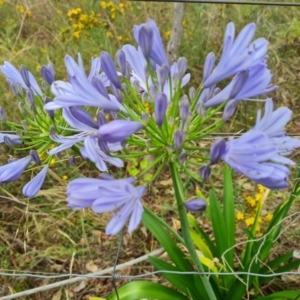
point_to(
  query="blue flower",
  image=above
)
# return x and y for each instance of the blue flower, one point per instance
(195, 205)
(254, 155)
(80, 89)
(273, 123)
(157, 54)
(35, 184)
(12, 171)
(238, 55)
(108, 195)
(14, 76)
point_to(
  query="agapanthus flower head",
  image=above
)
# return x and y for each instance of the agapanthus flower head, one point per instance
(106, 195)
(238, 54)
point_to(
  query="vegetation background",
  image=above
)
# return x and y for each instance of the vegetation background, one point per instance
(42, 234)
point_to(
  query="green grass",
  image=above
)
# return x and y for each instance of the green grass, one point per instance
(43, 234)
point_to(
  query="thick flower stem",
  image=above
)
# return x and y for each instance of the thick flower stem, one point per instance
(185, 229)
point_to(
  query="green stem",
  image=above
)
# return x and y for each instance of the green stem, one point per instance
(185, 229)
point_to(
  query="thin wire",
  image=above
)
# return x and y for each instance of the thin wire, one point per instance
(113, 276)
(271, 3)
(120, 276)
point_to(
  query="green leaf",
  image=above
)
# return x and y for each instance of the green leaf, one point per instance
(144, 289)
(165, 240)
(229, 215)
(218, 223)
(283, 295)
(184, 283)
(204, 236)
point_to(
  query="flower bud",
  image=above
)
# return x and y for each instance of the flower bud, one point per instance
(162, 74)
(2, 114)
(24, 125)
(192, 93)
(153, 90)
(195, 205)
(72, 161)
(99, 86)
(145, 38)
(182, 157)
(182, 66)
(17, 89)
(217, 150)
(160, 108)
(239, 81)
(178, 139)
(184, 109)
(201, 109)
(25, 75)
(101, 119)
(48, 73)
(145, 118)
(127, 70)
(205, 172)
(121, 59)
(229, 109)
(108, 66)
(35, 157)
(208, 65)
(30, 96)
(117, 93)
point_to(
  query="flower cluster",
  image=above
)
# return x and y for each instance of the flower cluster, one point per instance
(253, 209)
(137, 108)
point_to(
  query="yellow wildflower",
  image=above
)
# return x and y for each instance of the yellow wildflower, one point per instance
(184, 22)
(249, 221)
(251, 118)
(74, 13)
(52, 162)
(21, 8)
(251, 201)
(240, 215)
(1, 2)
(76, 34)
(65, 177)
(268, 217)
(109, 34)
(103, 4)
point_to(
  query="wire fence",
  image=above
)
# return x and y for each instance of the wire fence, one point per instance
(241, 2)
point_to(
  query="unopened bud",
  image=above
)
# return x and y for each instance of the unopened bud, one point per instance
(192, 93)
(2, 114)
(24, 125)
(17, 89)
(145, 118)
(25, 75)
(195, 205)
(182, 66)
(160, 108)
(35, 157)
(229, 110)
(72, 161)
(178, 139)
(205, 172)
(145, 38)
(182, 157)
(217, 150)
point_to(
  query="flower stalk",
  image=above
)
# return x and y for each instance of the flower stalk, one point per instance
(185, 229)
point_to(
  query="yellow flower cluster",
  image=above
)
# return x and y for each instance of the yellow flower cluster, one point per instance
(85, 21)
(113, 8)
(22, 10)
(82, 21)
(253, 206)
